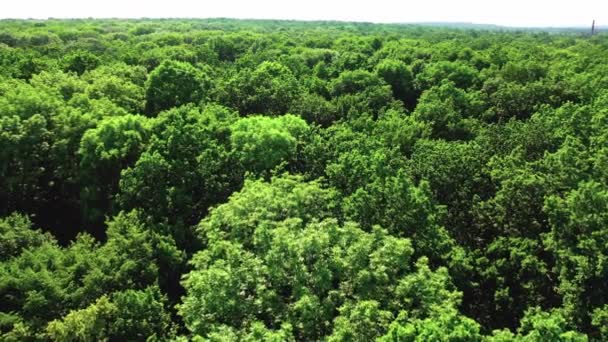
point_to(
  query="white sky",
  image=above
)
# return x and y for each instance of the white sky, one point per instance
(500, 12)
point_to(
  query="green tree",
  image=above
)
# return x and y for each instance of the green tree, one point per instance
(173, 84)
(186, 167)
(578, 241)
(261, 143)
(80, 61)
(363, 321)
(278, 238)
(399, 76)
(16, 235)
(105, 150)
(433, 74)
(540, 325)
(270, 88)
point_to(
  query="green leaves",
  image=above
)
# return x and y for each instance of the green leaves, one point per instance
(45, 282)
(433, 74)
(442, 325)
(399, 76)
(281, 260)
(84, 325)
(261, 143)
(173, 84)
(80, 61)
(540, 325)
(434, 184)
(186, 168)
(361, 322)
(263, 204)
(104, 151)
(578, 238)
(126, 315)
(270, 89)
(16, 235)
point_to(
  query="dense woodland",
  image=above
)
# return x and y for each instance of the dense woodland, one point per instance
(223, 180)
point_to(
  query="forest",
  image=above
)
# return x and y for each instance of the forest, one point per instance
(258, 180)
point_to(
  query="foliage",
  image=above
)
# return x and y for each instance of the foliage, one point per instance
(173, 84)
(263, 180)
(261, 143)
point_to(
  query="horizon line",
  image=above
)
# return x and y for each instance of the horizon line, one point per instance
(312, 21)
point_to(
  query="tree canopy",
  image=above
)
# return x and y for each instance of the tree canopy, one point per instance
(263, 180)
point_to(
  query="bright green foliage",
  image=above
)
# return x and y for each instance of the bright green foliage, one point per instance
(23, 100)
(21, 63)
(285, 197)
(296, 259)
(261, 244)
(430, 309)
(433, 74)
(89, 324)
(173, 84)
(540, 325)
(105, 150)
(186, 168)
(399, 76)
(579, 241)
(425, 291)
(399, 130)
(363, 321)
(270, 88)
(66, 84)
(133, 315)
(431, 183)
(443, 325)
(261, 143)
(256, 332)
(120, 91)
(116, 140)
(444, 107)
(600, 320)
(16, 234)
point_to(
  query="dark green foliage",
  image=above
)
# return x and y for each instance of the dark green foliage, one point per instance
(80, 61)
(104, 151)
(296, 181)
(399, 76)
(187, 167)
(270, 88)
(173, 84)
(579, 243)
(45, 281)
(462, 75)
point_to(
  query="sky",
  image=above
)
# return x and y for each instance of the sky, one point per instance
(529, 13)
